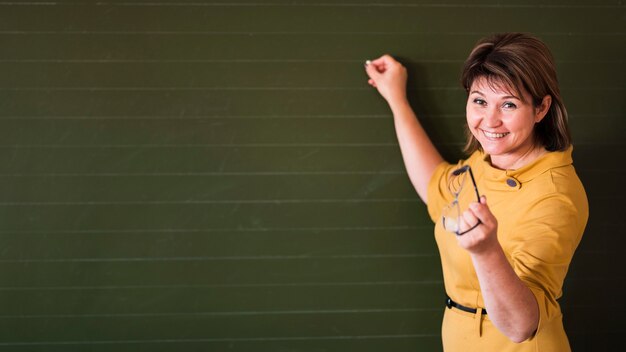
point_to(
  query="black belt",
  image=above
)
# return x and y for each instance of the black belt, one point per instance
(450, 303)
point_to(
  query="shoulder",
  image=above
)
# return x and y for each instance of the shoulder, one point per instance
(558, 189)
(551, 183)
(553, 215)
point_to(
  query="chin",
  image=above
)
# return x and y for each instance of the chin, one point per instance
(491, 149)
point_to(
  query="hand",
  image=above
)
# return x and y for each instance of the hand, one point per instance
(389, 77)
(485, 235)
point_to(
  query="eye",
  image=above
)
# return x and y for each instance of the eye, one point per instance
(479, 101)
(509, 105)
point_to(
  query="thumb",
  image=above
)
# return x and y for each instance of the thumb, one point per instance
(371, 70)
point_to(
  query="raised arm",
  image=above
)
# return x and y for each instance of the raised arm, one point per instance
(418, 152)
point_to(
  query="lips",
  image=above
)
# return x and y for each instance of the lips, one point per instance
(493, 135)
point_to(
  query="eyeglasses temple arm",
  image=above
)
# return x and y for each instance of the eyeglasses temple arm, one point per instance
(474, 183)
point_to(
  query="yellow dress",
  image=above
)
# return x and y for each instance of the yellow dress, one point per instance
(542, 211)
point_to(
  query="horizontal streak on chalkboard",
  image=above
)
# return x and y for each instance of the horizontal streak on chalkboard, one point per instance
(259, 285)
(235, 145)
(232, 245)
(166, 216)
(29, 245)
(377, 3)
(209, 230)
(415, 3)
(219, 258)
(191, 300)
(226, 189)
(220, 327)
(304, 338)
(279, 19)
(236, 313)
(273, 47)
(43, 276)
(394, 185)
(146, 33)
(165, 89)
(235, 132)
(422, 75)
(386, 117)
(208, 174)
(221, 246)
(235, 89)
(159, 32)
(284, 102)
(231, 61)
(238, 160)
(213, 117)
(231, 145)
(236, 201)
(188, 146)
(257, 339)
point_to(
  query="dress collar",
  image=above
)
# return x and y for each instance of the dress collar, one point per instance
(514, 179)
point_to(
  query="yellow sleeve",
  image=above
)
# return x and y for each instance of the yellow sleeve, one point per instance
(438, 194)
(544, 243)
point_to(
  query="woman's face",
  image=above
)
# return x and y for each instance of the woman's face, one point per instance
(502, 123)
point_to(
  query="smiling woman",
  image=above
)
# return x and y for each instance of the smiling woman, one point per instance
(503, 124)
(508, 258)
(518, 68)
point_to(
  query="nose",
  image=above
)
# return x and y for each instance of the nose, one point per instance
(492, 118)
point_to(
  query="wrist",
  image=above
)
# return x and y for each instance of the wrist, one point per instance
(487, 252)
(398, 104)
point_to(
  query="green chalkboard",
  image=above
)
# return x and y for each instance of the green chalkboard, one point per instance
(218, 175)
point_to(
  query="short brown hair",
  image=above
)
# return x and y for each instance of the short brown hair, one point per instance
(520, 61)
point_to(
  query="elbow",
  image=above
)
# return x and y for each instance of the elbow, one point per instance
(519, 338)
(525, 328)
(522, 335)
(522, 331)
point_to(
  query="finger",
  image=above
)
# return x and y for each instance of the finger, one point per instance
(468, 220)
(372, 83)
(372, 71)
(462, 225)
(481, 211)
(384, 60)
(376, 62)
(383, 63)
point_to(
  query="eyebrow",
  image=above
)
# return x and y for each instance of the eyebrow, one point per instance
(504, 97)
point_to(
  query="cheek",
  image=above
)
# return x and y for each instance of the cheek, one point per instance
(471, 117)
(525, 124)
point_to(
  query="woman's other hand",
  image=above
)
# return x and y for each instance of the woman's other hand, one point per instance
(389, 77)
(485, 235)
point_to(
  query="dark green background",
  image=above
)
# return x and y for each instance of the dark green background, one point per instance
(208, 176)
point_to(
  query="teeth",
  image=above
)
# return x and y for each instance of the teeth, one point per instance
(495, 135)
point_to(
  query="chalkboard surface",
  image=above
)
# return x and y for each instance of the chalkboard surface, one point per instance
(217, 175)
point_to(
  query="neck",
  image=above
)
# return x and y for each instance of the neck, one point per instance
(510, 162)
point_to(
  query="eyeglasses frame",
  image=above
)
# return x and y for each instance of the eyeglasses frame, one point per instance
(457, 172)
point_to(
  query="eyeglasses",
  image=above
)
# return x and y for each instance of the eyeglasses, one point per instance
(452, 213)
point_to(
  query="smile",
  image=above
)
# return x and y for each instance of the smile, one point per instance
(495, 135)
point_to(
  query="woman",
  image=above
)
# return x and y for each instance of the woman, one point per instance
(509, 217)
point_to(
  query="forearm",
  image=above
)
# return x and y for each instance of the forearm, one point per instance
(511, 305)
(418, 152)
